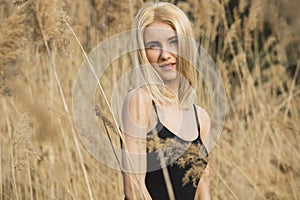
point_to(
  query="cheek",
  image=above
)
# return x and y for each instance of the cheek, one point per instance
(174, 51)
(152, 55)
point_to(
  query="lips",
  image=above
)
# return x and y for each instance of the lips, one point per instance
(167, 66)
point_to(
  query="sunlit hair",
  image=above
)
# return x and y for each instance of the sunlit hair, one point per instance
(187, 51)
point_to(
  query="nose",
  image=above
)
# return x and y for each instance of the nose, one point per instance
(165, 54)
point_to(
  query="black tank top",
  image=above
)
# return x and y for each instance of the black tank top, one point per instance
(155, 181)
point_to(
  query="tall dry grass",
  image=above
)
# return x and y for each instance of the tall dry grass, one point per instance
(254, 43)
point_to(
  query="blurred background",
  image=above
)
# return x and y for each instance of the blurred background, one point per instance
(255, 44)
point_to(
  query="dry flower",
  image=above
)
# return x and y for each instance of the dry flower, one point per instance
(187, 155)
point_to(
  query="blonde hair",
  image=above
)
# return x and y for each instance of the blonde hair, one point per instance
(187, 51)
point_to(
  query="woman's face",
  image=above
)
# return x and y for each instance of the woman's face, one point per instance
(161, 44)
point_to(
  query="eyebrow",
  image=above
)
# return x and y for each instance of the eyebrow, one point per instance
(173, 37)
(151, 42)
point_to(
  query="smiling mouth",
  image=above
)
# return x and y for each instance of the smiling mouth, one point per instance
(168, 66)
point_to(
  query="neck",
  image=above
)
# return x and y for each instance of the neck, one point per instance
(173, 86)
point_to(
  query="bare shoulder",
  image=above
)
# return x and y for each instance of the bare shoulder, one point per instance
(204, 121)
(138, 98)
(135, 110)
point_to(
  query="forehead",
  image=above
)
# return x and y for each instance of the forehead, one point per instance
(158, 31)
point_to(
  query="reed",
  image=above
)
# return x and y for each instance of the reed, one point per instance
(255, 45)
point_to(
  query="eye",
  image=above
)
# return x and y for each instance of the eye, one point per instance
(153, 45)
(174, 42)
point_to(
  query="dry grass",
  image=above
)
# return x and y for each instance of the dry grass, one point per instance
(254, 43)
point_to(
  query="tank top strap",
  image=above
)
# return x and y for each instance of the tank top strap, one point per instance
(198, 124)
(155, 109)
(203, 148)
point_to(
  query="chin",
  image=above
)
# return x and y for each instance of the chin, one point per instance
(169, 77)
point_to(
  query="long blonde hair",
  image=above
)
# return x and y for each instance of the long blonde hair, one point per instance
(187, 51)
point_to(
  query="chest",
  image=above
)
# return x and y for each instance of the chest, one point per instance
(181, 123)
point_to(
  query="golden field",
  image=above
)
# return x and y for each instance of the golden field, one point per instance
(255, 44)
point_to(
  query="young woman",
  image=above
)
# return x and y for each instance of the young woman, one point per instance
(163, 111)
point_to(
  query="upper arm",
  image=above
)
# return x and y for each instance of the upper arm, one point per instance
(135, 113)
(135, 123)
(202, 191)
